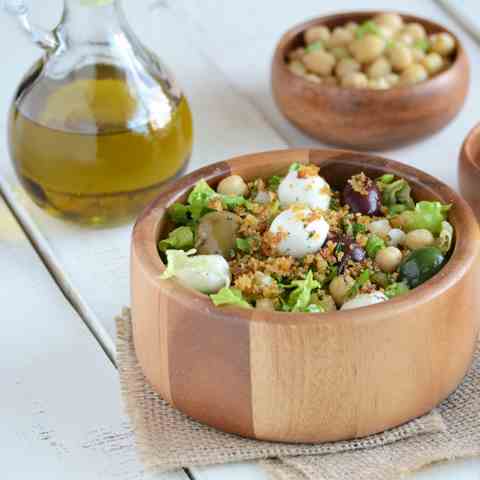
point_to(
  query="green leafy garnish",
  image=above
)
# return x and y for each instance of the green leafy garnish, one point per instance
(181, 238)
(368, 27)
(386, 179)
(294, 167)
(361, 280)
(358, 228)
(179, 214)
(274, 183)
(445, 239)
(232, 201)
(374, 245)
(244, 244)
(396, 289)
(299, 298)
(229, 297)
(318, 45)
(428, 215)
(397, 193)
(422, 44)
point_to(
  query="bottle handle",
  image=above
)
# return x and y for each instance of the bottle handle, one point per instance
(40, 36)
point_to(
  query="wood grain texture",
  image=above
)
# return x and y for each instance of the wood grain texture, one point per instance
(362, 118)
(469, 169)
(310, 378)
(60, 408)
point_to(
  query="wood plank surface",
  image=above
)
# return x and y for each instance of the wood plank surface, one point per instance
(60, 409)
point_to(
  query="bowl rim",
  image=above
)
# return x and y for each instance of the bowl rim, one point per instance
(289, 35)
(468, 145)
(147, 226)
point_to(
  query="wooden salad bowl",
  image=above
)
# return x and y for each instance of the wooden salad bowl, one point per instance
(368, 119)
(469, 169)
(296, 377)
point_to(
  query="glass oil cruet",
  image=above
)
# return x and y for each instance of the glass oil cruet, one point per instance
(97, 125)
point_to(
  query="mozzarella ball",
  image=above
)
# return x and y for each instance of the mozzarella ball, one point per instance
(340, 37)
(388, 259)
(299, 235)
(313, 191)
(346, 66)
(233, 185)
(355, 80)
(413, 74)
(205, 273)
(400, 56)
(314, 34)
(319, 61)
(391, 20)
(433, 62)
(381, 67)
(364, 300)
(442, 43)
(368, 48)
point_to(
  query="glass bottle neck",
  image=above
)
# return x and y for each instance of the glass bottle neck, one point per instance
(90, 21)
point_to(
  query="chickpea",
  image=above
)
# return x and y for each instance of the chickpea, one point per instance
(232, 185)
(404, 38)
(339, 289)
(379, 68)
(296, 54)
(368, 48)
(442, 43)
(400, 57)
(352, 26)
(340, 52)
(392, 79)
(314, 34)
(378, 84)
(297, 68)
(265, 304)
(355, 80)
(388, 259)
(416, 30)
(320, 61)
(417, 55)
(386, 32)
(346, 66)
(313, 78)
(419, 238)
(433, 62)
(340, 37)
(413, 74)
(391, 20)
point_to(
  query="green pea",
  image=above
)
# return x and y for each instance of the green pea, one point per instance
(421, 265)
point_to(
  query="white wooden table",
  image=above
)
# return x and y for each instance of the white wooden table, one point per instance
(61, 286)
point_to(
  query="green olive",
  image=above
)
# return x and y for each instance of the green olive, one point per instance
(216, 233)
(421, 265)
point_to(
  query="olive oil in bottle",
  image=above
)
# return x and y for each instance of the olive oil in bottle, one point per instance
(89, 150)
(98, 125)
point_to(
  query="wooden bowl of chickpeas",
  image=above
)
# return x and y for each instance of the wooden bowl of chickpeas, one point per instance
(370, 80)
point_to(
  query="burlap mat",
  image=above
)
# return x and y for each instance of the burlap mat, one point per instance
(168, 440)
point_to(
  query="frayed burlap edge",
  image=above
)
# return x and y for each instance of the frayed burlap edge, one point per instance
(168, 440)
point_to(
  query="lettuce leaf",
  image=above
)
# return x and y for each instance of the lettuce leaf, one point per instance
(396, 289)
(428, 215)
(300, 297)
(397, 193)
(229, 297)
(374, 245)
(181, 238)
